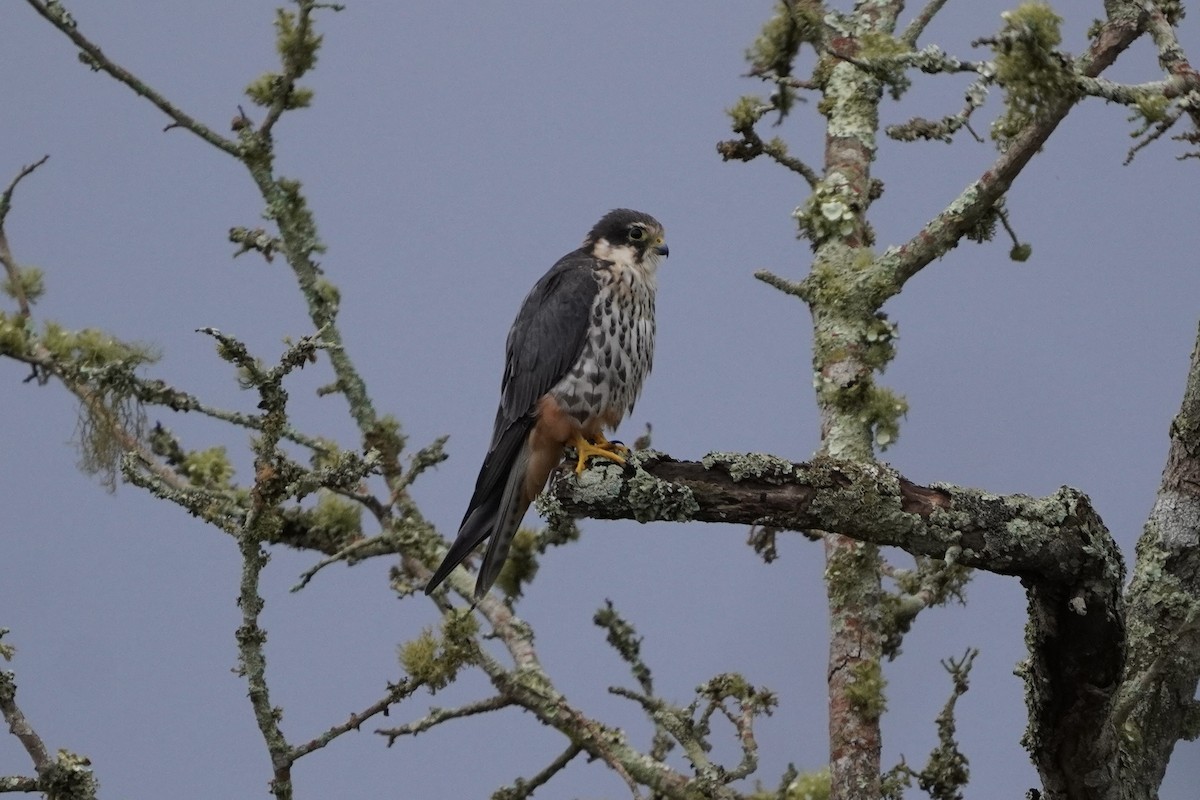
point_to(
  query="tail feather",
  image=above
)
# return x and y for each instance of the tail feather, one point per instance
(493, 501)
(506, 521)
(475, 528)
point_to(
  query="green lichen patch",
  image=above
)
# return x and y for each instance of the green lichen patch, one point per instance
(336, 518)
(865, 690)
(1035, 76)
(810, 786)
(435, 661)
(207, 469)
(29, 284)
(654, 499)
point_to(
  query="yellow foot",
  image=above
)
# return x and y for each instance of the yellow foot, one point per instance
(600, 447)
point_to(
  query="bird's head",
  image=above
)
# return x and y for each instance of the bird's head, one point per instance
(628, 236)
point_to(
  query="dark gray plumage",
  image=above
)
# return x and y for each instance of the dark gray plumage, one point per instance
(576, 357)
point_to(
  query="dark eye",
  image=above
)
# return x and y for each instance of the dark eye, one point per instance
(636, 234)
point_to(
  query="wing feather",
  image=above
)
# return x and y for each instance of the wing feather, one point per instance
(549, 333)
(545, 341)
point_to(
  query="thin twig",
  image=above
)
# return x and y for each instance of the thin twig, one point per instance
(355, 551)
(437, 716)
(522, 789)
(6, 197)
(95, 58)
(795, 288)
(396, 693)
(6, 257)
(19, 725)
(915, 28)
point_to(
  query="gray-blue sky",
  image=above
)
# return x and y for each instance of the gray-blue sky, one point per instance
(454, 151)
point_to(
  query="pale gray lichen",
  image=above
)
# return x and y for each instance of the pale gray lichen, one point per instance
(654, 499)
(829, 212)
(607, 485)
(751, 465)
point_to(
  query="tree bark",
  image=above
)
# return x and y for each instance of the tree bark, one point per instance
(1071, 569)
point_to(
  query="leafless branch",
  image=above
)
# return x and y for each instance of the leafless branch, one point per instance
(522, 789)
(19, 725)
(91, 55)
(11, 268)
(915, 28)
(396, 693)
(437, 716)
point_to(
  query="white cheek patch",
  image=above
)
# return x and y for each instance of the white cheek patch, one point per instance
(621, 255)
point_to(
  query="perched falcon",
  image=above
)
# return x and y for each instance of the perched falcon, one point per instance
(577, 354)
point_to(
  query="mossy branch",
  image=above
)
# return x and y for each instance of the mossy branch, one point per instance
(942, 233)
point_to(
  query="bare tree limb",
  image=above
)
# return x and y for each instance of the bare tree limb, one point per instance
(437, 716)
(91, 55)
(522, 789)
(396, 693)
(912, 32)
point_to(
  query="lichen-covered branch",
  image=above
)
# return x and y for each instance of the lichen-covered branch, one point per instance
(276, 481)
(912, 32)
(1077, 635)
(933, 582)
(1066, 559)
(945, 773)
(526, 684)
(1050, 538)
(65, 776)
(943, 232)
(1160, 681)
(395, 693)
(944, 129)
(19, 726)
